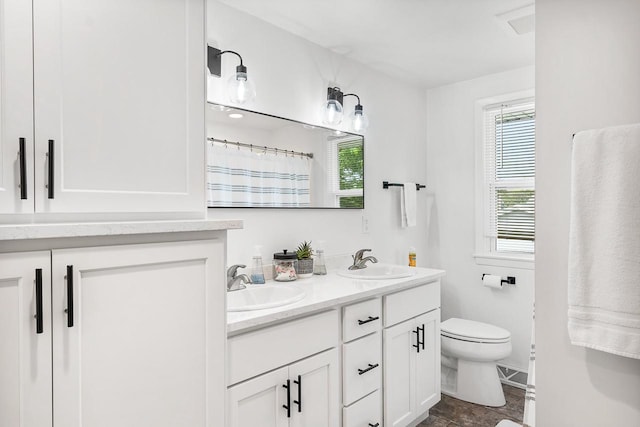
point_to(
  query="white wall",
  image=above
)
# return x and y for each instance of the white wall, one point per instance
(587, 76)
(292, 76)
(451, 175)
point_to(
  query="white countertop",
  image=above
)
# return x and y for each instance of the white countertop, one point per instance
(56, 230)
(324, 292)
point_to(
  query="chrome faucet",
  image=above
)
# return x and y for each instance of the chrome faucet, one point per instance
(359, 262)
(236, 282)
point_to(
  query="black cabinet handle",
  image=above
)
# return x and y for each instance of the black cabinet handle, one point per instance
(39, 326)
(50, 171)
(365, 370)
(417, 344)
(288, 405)
(374, 425)
(422, 329)
(370, 319)
(23, 169)
(299, 401)
(69, 309)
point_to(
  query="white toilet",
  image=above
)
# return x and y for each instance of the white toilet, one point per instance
(469, 353)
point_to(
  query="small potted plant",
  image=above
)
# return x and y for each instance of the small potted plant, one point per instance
(305, 262)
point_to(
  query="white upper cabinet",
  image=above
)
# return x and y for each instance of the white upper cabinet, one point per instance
(118, 107)
(16, 107)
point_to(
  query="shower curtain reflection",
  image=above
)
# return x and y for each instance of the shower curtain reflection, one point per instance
(244, 178)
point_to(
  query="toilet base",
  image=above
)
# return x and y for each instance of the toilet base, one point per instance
(475, 382)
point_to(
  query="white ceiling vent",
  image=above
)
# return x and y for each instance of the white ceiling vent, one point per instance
(521, 20)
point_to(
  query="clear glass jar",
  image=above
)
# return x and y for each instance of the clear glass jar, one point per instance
(284, 266)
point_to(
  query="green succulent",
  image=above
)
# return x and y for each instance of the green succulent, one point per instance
(304, 250)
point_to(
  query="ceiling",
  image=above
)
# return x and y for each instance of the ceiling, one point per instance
(425, 42)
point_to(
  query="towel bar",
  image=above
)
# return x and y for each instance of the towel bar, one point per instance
(387, 184)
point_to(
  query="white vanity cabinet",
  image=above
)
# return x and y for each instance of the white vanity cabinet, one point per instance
(411, 354)
(114, 335)
(102, 106)
(375, 357)
(301, 394)
(285, 375)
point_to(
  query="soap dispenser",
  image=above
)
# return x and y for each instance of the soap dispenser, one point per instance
(319, 264)
(257, 273)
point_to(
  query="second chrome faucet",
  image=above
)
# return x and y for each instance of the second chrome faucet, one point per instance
(360, 262)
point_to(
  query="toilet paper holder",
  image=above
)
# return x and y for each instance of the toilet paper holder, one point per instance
(510, 280)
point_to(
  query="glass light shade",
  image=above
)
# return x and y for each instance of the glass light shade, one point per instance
(359, 120)
(240, 89)
(331, 112)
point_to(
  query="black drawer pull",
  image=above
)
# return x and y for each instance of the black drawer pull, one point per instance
(288, 405)
(374, 425)
(299, 401)
(23, 169)
(422, 329)
(69, 309)
(365, 370)
(370, 319)
(39, 325)
(50, 171)
(417, 344)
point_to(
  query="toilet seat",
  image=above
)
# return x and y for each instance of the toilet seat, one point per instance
(469, 330)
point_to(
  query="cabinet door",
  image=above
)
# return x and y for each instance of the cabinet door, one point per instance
(428, 362)
(119, 87)
(146, 345)
(259, 401)
(315, 393)
(25, 354)
(16, 106)
(399, 369)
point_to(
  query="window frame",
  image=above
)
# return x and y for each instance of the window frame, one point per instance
(334, 172)
(485, 253)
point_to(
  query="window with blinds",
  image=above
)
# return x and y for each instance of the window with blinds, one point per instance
(509, 159)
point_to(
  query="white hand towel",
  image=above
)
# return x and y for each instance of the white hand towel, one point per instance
(408, 204)
(604, 241)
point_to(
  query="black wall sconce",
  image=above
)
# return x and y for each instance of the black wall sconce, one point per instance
(333, 112)
(239, 88)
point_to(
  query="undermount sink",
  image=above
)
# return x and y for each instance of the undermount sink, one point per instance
(378, 272)
(258, 297)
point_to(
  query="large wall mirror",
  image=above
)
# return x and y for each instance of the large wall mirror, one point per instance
(259, 160)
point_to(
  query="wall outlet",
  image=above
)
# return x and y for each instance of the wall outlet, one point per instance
(365, 224)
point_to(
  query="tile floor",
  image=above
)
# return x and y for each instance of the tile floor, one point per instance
(450, 412)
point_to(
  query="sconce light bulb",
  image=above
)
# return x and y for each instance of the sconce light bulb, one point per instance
(359, 120)
(332, 112)
(240, 89)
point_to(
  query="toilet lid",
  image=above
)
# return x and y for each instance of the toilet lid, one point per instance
(470, 330)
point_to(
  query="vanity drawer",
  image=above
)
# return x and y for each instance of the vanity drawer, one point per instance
(410, 303)
(361, 367)
(361, 319)
(260, 351)
(364, 413)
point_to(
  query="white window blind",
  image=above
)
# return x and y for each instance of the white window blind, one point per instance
(509, 158)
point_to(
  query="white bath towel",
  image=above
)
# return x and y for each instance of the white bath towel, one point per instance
(408, 206)
(604, 241)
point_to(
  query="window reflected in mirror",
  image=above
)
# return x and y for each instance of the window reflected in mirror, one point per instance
(259, 160)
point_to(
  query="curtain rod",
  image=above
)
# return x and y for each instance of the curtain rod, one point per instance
(262, 148)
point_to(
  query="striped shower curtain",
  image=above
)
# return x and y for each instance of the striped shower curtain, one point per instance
(243, 178)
